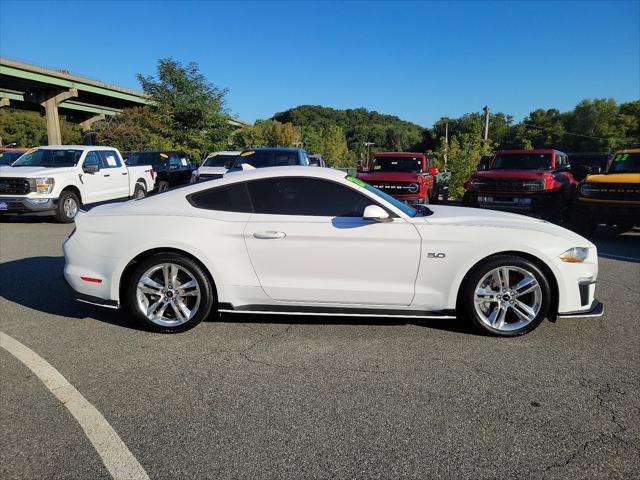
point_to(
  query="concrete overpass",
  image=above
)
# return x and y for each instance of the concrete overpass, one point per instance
(82, 100)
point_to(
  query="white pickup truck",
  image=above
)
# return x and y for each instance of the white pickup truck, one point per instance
(56, 180)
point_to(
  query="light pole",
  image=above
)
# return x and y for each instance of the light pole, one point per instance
(368, 145)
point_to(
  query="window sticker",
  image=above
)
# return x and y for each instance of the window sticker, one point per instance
(377, 167)
(31, 151)
(164, 155)
(1, 154)
(357, 181)
(111, 160)
(246, 154)
(211, 155)
(184, 161)
(621, 157)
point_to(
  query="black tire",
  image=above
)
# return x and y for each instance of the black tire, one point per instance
(202, 310)
(65, 212)
(163, 186)
(554, 211)
(467, 296)
(435, 195)
(140, 191)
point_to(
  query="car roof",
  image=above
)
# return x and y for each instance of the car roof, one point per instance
(267, 149)
(398, 154)
(75, 147)
(551, 150)
(225, 152)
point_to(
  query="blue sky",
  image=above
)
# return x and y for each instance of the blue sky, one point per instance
(417, 60)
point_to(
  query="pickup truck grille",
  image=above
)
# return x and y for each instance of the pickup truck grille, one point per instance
(508, 185)
(615, 191)
(398, 188)
(14, 186)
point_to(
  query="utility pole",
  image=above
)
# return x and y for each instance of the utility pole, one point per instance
(446, 141)
(368, 145)
(486, 122)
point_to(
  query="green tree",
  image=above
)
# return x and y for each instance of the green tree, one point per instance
(464, 153)
(195, 109)
(138, 128)
(28, 129)
(266, 133)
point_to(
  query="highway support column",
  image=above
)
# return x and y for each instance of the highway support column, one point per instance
(50, 101)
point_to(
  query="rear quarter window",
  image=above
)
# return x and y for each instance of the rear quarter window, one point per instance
(227, 198)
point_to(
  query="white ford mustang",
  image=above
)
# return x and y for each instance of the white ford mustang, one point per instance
(296, 240)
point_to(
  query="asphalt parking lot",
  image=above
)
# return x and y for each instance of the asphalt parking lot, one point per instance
(296, 397)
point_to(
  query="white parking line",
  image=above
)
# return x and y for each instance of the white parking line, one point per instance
(120, 462)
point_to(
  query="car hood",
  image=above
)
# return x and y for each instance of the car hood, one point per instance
(212, 170)
(512, 174)
(33, 172)
(476, 217)
(614, 178)
(389, 176)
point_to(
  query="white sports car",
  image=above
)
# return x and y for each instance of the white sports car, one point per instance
(294, 240)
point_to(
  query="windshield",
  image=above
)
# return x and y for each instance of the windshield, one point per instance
(147, 158)
(522, 161)
(7, 158)
(49, 158)
(410, 211)
(625, 163)
(219, 161)
(398, 164)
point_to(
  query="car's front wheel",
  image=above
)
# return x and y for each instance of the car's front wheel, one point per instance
(68, 206)
(506, 296)
(169, 293)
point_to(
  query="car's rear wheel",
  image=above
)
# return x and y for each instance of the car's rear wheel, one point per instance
(169, 293)
(68, 206)
(140, 191)
(506, 296)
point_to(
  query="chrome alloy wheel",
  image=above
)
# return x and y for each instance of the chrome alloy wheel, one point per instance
(508, 298)
(168, 294)
(70, 207)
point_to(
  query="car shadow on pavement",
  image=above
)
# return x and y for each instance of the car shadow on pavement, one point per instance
(450, 325)
(37, 283)
(612, 244)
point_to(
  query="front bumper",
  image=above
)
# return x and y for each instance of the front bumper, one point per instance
(20, 205)
(607, 213)
(530, 204)
(596, 309)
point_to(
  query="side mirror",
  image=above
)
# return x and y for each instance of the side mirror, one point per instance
(376, 213)
(359, 169)
(92, 168)
(596, 169)
(433, 171)
(481, 166)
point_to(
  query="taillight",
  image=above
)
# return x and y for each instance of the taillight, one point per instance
(153, 174)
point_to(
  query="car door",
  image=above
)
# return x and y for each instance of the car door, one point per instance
(96, 185)
(308, 242)
(116, 173)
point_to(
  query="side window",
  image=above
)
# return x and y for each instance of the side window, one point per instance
(174, 160)
(231, 198)
(306, 196)
(93, 158)
(258, 159)
(110, 159)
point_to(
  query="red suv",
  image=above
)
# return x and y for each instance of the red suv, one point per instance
(532, 182)
(409, 177)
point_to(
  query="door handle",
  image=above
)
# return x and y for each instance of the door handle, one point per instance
(108, 175)
(269, 235)
(125, 173)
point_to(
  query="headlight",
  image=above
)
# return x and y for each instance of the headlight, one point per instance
(45, 185)
(476, 182)
(413, 187)
(587, 189)
(535, 186)
(575, 255)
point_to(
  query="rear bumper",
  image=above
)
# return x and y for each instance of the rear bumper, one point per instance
(608, 213)
(20, 205)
